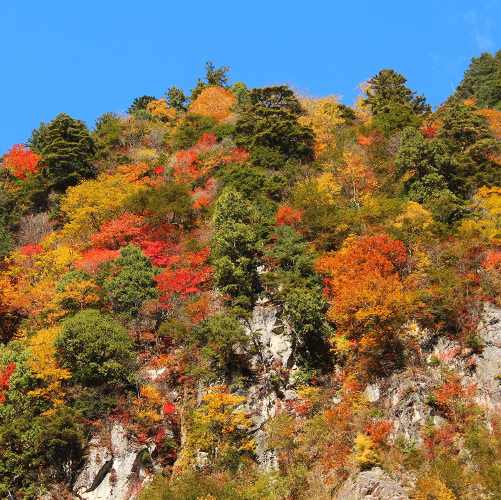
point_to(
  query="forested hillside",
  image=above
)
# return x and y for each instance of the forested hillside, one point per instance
(256, 294)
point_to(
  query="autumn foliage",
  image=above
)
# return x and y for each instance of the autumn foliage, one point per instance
(214, 101)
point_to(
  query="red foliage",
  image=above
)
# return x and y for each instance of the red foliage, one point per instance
(117, 233)
(169, 408)
(31, 249)
(186, 167)
(92, 259)
(288, 216)
(185, 275)
(21, 162)
(204, 196)
(206, 142)
(453, 399)
(159, 169)
(430, 129)
(5, 375)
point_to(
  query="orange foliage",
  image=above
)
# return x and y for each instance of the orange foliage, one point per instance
(493, 117)
(454, 399)
(367, 296)
(288, 216)
(186, 168)
(214, 101)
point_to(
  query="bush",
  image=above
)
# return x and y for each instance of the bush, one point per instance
(96, 349)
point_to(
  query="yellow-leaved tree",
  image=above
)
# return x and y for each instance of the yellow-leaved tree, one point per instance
(160, 109)
(44, 367)
(220, 428)
(486, 210)
(323, 116)
(92, 203)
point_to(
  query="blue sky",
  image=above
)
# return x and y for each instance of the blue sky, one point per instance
(86, 57)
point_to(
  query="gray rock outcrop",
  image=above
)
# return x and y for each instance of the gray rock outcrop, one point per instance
(374, 484)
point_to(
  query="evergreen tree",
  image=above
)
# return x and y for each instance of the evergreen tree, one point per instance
(67, 150)
(95, 349)
(129, 284)
(270, 128)
(233, 245)
(482, 80)
(140, 103)
(176, 98)
(387, 89)
(213, 77)
(470, 141)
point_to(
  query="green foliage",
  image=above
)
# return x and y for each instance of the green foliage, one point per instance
(220, 337)
(427, 165)
(140, 103)
(482, 80)
(67, 150)
(96, 349)
(191, 129)
(469, 140)
(216, 76)
(242, 92)
(60, 439)
(171, 202)
(247, 180)
(213, 77)
(272, 122)
(142, 114)
(397, 116)
(6, 242)
(130, 282)
(233, 245)
(176, 98)
(37, 138)
(387, 93)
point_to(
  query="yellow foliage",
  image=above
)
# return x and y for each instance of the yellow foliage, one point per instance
(431, 488)
(93, 202)
(365, 454)
(43, 366)
(147, 408)
(29, 281)
(363, 111)
(145, 154)
(219, 424)
(416, 214)
(160, 109)
(214, 101)
(486, 208)
(329, 183)
(323, 116)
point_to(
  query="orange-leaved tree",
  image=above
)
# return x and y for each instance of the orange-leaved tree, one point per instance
(369, 296)
(214, 101)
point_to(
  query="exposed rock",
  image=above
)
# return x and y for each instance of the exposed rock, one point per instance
(488, 368)
(374, 484)
(272, 336)
(273, 341)
(113, 471)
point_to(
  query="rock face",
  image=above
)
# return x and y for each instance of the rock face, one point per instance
(272, 340)
(112, 471)
(374, 484)
(488, 365)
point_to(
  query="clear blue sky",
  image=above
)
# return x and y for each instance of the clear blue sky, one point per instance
(86, 57)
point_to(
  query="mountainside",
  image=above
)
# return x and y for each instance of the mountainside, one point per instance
(256, 294)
